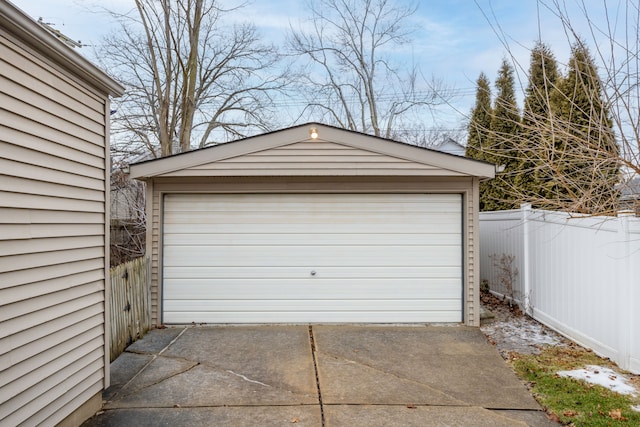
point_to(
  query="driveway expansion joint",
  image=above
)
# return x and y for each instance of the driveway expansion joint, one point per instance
(315, 368)
(408, 405)
(226, 405)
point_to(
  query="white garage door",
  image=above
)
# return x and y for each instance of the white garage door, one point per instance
(306, 258)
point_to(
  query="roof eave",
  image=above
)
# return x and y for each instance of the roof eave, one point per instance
(456, 164)
(34, 35)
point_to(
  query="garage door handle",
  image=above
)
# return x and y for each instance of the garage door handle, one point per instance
(313, 272)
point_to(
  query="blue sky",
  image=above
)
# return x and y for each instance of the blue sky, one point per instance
(455, 39)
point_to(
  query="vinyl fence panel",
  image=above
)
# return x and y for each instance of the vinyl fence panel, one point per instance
(577, 275)
(502, 233)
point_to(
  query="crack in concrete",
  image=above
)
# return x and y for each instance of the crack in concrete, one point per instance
(166, 356)
(400, 377)
(283, 388)
(247, 379)
(123, 392)
(214, 367)
(153, 358)
(126, 393)
(136, 390)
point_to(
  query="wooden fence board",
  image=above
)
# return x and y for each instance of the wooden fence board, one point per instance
(130, 314)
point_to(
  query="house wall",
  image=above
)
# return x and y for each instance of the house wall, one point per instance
(466, 186)
(54, 169)
(577, 275)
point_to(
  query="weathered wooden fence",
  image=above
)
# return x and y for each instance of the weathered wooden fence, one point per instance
(579, 276)
(130, 314)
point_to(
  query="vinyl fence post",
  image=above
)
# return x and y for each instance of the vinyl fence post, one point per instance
(526, 261)
(625, 281)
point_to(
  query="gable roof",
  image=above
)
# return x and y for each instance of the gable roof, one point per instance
(292, 151)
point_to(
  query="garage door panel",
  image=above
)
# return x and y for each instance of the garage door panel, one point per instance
(343, 209)
(328, 202)
(248, 258)
(312, 288)
(318, 256)
(271, 217)
(403, 316)
(351, 305)
(351, 272)
(313, 229)
(334, 239)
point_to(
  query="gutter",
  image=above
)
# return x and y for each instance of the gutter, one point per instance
(17, 23)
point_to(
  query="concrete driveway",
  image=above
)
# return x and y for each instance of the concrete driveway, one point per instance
(315, 376)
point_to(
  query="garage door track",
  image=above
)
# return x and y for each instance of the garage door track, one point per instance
(315, 376)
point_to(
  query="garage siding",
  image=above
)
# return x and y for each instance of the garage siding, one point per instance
(472, 251)
(312, 258)
(309, 158)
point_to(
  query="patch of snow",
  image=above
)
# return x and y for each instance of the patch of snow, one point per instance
(602, 376)
(521, 334)
(636, 408)
(534, 333)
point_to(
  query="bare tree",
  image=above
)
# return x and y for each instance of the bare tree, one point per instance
(429, 137)
(351, 79)
(191, 79)
(567, 140)
(128, 219)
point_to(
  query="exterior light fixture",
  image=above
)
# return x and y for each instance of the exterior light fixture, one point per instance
(313, 132)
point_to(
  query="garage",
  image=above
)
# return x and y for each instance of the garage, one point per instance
(305, 258)
(313, 224)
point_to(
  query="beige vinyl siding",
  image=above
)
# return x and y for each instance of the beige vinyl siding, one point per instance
(48, 140)
(394, 158)
(24, 346)
(62, 160)
(53, 170)
(312, 158)
(472, 296)
(474, 253)
(41, 294)
(158, 187)
(153, 248)
(25, 68)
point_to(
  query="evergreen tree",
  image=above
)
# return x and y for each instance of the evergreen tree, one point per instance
(586, 157)
(504, 129)
(480, 120)
(536, 133)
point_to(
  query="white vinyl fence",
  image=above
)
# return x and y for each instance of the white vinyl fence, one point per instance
(579, 276)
